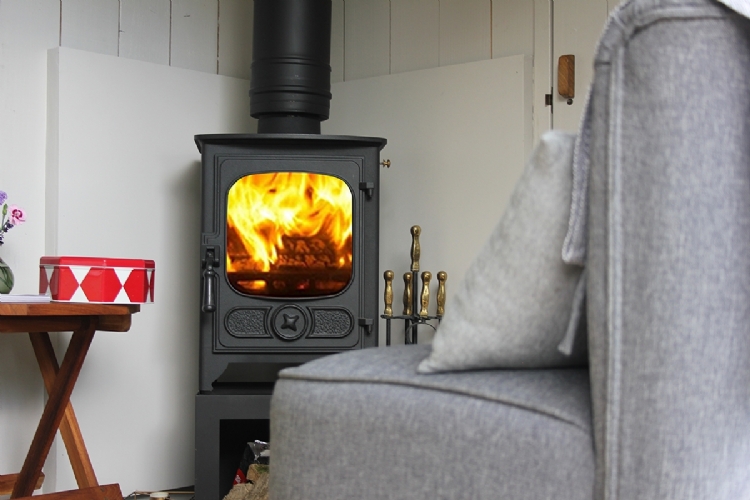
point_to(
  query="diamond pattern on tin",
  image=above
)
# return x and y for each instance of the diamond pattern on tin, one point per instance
(118, 285)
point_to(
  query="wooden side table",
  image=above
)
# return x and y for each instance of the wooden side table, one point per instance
(83, 320)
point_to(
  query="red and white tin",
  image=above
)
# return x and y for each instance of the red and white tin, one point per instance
(97, 279)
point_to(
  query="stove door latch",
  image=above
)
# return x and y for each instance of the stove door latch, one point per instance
(368, 188)
(366, 323)
(208, 302)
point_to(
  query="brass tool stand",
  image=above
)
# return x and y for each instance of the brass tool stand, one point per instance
(415, 304)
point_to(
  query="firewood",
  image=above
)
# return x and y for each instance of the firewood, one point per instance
(257, 489)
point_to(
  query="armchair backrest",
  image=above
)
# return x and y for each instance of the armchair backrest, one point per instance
(665, 151)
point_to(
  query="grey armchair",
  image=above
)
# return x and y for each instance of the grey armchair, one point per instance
(661, 223)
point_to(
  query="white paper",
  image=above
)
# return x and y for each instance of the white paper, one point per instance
(24, 298)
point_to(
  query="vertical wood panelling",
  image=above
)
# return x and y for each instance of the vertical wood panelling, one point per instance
(542, 66)
(27, 30)
(235, 38)
(144, 30)
(465, 31)
(337, 41)
(366, 38)
(512, 28)
(194, 43)
(415, 29)
(90, 25)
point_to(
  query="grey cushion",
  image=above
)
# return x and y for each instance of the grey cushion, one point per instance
(668, 260)
(741, 6)
(364, 424)
(514, 306)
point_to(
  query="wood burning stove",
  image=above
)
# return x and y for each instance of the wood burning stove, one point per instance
(289, 248)
(289, 238)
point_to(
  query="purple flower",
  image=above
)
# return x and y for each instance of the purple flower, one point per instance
(10, 216)
(16, 215)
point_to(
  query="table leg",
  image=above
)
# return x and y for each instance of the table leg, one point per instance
(69, 429)
(54, 410)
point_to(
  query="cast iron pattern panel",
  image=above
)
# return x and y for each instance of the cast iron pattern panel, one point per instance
(331, 323)
(248, 322)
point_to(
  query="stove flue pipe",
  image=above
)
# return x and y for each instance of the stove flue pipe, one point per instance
(290, 89)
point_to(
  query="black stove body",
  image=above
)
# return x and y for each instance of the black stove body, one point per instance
(290, 221)
(305, 309)
(289, 239)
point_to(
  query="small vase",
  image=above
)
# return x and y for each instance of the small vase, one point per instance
(6, 277)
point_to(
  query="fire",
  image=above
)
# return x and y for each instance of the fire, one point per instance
(289, 220)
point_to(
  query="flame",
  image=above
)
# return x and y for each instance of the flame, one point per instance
(266, 210)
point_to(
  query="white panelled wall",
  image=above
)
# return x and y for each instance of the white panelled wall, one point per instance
(369, 38)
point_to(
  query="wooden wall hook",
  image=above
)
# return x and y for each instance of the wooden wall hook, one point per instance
(566, 76)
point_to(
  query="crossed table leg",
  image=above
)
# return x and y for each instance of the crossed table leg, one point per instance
(58, 413)
(71, 433)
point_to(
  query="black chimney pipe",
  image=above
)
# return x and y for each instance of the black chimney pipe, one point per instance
(290, 89)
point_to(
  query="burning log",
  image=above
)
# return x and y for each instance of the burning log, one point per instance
(295, 252)
(305, 252)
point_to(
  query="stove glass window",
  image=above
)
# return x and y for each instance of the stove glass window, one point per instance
(289, 234)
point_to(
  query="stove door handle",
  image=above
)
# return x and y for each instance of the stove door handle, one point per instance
(209, 282)
(209, 290)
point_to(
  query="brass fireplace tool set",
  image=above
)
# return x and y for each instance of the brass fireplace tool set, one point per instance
(415, 305)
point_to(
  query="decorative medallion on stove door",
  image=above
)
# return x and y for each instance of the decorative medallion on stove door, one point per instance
(289, 322)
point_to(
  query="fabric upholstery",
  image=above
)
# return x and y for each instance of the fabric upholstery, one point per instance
(514, 306)
(364, 424)
(668, 264)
